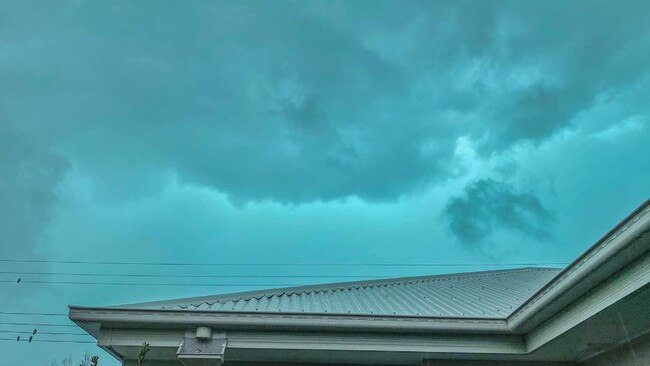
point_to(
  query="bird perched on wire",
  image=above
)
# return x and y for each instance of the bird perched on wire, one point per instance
(18, 280)
(18, 339)
(34, 331)
(30, 339)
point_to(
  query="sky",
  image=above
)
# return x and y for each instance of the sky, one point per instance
(478, 135)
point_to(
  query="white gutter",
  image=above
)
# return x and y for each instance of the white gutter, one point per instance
(580, 272)
(286, 321)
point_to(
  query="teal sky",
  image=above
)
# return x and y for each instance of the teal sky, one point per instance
(307, 132)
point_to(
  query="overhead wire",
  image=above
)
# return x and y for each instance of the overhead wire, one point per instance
(40, 324)
(31, 313)
(160, 275)
(148, 284)
(223, 264)
(39, 332)
(214, 276)
(48, 341)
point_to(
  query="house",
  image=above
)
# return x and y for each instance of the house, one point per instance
(596, 311)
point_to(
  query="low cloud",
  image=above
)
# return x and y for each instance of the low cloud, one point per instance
(488, 205)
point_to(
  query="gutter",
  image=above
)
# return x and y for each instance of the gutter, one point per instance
(599, 257)
(151, 318)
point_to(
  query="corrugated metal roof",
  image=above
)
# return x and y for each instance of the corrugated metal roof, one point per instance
(492, 294)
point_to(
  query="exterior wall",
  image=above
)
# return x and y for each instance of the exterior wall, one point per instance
(634, 353)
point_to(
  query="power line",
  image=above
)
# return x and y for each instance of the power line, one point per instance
(48, 341)
(40, 324)
(39, 332)
(154, 275)
(28, 313)
(222, 264)
(148, 284)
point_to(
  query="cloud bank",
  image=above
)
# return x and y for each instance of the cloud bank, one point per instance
(301, 102)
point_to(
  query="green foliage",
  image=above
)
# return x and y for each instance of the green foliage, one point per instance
(144, 349)
(89, 361)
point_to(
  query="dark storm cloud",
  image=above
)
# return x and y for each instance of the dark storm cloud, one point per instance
(487, 205)
(305, 101)
(28, 179)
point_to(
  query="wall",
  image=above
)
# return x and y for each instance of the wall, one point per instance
(634, 353)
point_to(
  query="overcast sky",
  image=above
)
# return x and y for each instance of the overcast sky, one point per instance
(497, 132)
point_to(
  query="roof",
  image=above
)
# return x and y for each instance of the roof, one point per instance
(489, 294)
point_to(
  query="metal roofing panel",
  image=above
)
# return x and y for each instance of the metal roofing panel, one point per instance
(492, 294)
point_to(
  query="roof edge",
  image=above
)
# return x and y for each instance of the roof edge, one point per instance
(291, 321)
(598, 254)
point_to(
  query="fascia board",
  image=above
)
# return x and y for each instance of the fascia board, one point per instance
(437, 343)
(250, 341)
